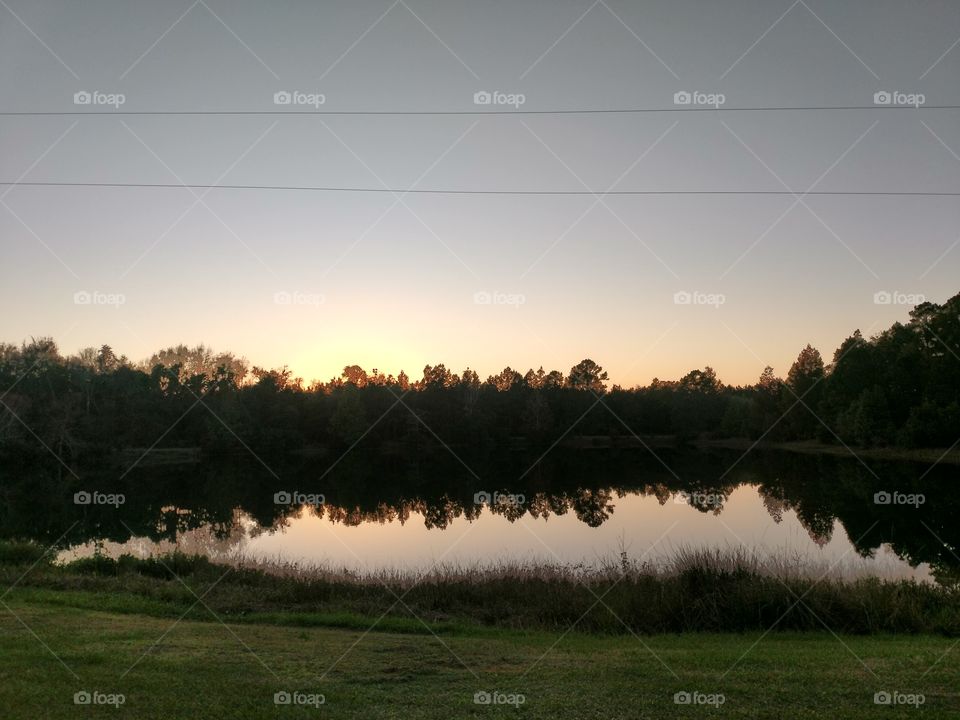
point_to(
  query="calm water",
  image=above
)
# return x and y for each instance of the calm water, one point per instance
(574, 507)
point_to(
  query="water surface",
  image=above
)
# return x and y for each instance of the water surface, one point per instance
(375, 512)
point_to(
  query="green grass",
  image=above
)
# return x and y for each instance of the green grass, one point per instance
(135, 627)
(204, 669)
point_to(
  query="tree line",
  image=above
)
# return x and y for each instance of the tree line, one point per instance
(900, 388)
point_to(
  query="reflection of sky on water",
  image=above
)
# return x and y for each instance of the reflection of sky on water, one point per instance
(649, 531)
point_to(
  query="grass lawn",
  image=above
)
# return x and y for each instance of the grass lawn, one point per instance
(53, 645)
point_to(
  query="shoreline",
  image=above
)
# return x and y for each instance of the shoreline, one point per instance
(813, 447)
(700, 591)
(181, 455)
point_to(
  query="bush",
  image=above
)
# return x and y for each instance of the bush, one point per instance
(15, 552)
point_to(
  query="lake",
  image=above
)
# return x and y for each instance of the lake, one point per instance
(389, 512)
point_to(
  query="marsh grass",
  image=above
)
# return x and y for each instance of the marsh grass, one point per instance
(695, 589)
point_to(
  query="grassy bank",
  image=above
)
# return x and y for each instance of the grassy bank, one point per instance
(696, 592)
(204, 669)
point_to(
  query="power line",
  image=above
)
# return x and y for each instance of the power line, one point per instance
(441, 191)
(587, 111)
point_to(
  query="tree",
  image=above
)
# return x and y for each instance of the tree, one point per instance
(805, 390)
(470, 379)
(355, 375)
(553, 379)
(701, 381)
(769, 383)
(349, 421)
(106, 360)
(587, 375)
(437, 377)
(272, 380)
(506, 379)
(766, 405)
(806, 371)
(199, 360)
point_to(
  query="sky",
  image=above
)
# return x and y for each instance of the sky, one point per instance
(648, 285)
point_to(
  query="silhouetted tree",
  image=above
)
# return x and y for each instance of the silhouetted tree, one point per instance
(587, 375)
(803, 392)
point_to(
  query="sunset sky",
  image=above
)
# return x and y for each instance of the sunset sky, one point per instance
(320, 279)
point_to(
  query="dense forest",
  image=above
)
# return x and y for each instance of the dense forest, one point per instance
(898, 388)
